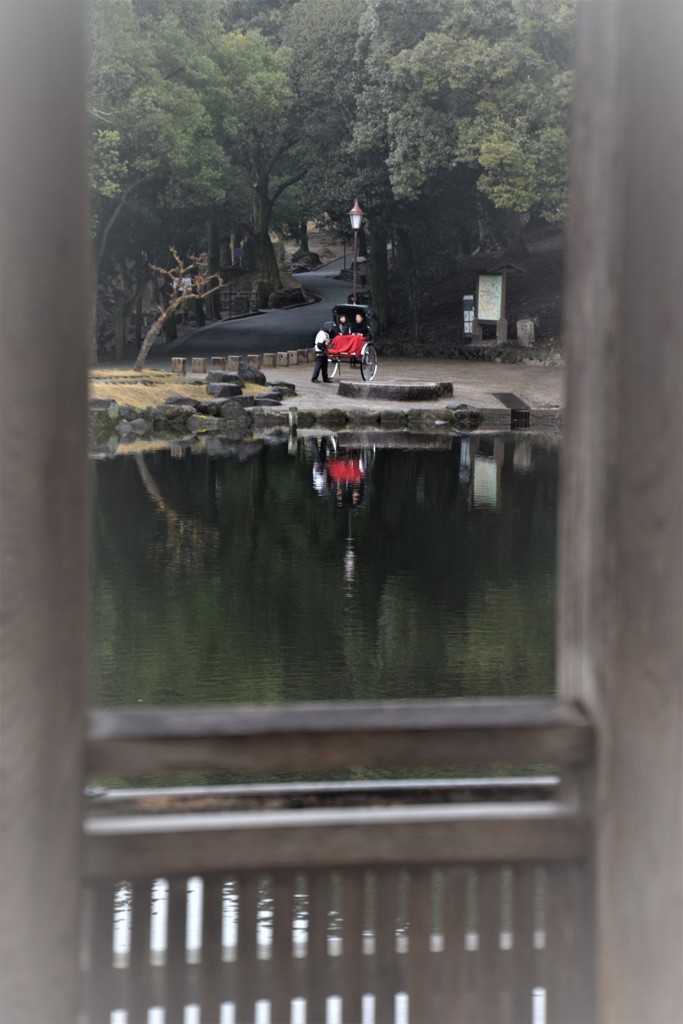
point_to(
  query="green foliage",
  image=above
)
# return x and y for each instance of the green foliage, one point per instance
(432, 113)
(107, 168)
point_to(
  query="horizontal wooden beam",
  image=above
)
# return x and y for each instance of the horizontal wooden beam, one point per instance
(161, 845)
(332, 735)
(350, 793)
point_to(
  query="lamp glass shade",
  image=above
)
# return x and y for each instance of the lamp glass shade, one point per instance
(356, 215)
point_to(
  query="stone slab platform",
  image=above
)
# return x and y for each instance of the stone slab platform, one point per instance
(406, 391)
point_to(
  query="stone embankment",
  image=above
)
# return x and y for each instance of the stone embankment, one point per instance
(224, 403)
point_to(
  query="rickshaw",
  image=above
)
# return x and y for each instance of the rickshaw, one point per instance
(354, 349)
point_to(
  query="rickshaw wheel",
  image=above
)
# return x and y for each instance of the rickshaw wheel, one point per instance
(332, 368)
(368, 365)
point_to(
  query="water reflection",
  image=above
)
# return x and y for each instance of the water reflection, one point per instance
(355, 566)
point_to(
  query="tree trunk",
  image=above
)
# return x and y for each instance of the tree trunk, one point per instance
(214, 256)
(301, 236)
(513, 226)
(379, 275)
(412, 280)
(150, 338)
(138, 318)
(265, 251)
(120, 322)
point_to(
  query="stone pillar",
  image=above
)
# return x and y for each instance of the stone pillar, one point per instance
(268, 360)
(217, 362)
(254, 361)
(178, 364)
(525, 333)
(233, 364)
(198, 364)
(281, 359)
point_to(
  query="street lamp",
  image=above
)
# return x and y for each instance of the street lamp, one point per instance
(356, 215)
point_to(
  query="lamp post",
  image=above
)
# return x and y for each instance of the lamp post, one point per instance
(356, 215)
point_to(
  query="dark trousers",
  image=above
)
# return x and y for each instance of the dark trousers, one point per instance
(320, 364)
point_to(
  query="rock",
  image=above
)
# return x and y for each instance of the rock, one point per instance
(203, 424)
(123, 428)
(251, 374)
(465, 415)
(270, 419)
(212, 407)
(181, 400)
(139, 426)
(223, 377)
(422, 417)
(392, 418)
(363, 417)
(175, 412)
(264, 400)
(331, 417)
(104, 407)
(235, 419)
(223, 390)
(283, 384)
(305, 418)
(127, 412)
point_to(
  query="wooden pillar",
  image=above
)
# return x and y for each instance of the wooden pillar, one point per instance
(620, 643)
(43, 506)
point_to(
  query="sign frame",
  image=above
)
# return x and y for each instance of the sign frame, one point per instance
(491, 297)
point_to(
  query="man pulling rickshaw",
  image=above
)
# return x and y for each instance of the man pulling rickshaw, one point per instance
(348, 338)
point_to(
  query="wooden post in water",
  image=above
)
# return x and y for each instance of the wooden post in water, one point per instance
(620, 649)
(43, 506)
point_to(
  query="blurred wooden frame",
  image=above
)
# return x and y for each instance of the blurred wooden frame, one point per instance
(620, 642)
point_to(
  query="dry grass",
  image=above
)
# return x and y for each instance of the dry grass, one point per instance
(154, 387)
(151, 387)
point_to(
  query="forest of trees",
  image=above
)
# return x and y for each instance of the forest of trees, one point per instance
(218, 121)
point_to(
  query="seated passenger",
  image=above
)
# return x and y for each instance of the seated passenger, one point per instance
(360, 326)
(344, 325)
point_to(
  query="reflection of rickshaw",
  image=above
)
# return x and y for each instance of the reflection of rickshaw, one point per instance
(354, 349)
(341, 474)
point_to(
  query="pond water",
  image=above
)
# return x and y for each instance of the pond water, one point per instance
(342, 568)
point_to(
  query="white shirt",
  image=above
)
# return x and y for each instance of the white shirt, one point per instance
(321, 340)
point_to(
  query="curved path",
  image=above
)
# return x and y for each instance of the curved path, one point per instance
(274, 330)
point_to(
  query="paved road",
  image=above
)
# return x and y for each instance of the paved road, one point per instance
(274, 330)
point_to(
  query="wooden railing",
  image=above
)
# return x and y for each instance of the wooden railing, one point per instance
(422, 911)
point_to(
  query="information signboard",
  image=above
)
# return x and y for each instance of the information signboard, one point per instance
(490, 298)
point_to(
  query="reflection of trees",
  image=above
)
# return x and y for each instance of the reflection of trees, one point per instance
(257, 606)
(188, 541)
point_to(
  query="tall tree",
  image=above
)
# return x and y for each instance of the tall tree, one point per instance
(261, 128)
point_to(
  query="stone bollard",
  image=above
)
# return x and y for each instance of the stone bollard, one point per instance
(292, 358)
(178, 364)
(233, 364)
(254, 361)
(526, 333)
(302, 356)
(217, 362)
(281, 359)
(198, 364)
(268, 360)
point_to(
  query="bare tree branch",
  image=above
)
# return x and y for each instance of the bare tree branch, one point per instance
(203, 285)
